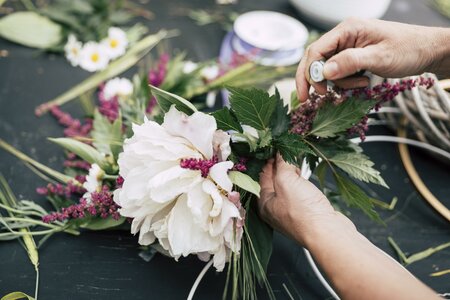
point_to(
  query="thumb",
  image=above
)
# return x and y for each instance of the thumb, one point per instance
(349, 62)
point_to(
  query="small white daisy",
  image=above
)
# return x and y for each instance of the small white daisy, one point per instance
(73, 50)
(121, 87)
(93, 57)
(93, 182)
(116, 43)
(210, 72)
(189, 67)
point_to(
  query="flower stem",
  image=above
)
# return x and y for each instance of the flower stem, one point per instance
(20, 155)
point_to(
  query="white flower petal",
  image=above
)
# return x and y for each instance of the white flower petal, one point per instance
(228, 212)
(197, 128)
(185, 236)
(219, 173)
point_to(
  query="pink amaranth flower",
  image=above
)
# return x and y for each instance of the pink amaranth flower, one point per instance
(61, 190)
(102, 205)
(241, 165)
(157, 75)
(74, 127)
(202, 165)
(77, 164)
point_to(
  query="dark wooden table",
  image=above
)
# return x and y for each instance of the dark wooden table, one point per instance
(106, 265)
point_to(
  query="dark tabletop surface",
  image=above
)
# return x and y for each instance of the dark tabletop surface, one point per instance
(106, 265)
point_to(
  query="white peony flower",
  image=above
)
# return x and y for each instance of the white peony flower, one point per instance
(121, 87)
(93, 57)
(210, 72)
(93, 182)
(176, 187)
(116, 43)
(189, 67)
(72, 50)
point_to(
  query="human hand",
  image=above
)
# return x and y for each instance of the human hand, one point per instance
(387, 49)
(290, 203)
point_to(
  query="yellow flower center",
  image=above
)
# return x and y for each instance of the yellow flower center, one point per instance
(113, 43)
(95, 57)
(74, 51)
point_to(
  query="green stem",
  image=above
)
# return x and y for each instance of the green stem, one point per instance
(21, 212)
(20, 155)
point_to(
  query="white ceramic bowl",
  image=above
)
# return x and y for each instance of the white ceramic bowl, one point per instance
(329, 13)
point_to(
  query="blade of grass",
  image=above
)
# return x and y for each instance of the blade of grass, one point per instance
(29, 243)
(49, 171)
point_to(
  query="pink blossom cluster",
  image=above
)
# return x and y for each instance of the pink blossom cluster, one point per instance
(157, 75)
(74, 128)
(202, 165)
(102, 204)
(108, 107)
(63, 190)
(77, 164)
(241, 166)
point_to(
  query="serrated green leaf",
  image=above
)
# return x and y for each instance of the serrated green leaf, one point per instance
(358, 166)
(332, 146)
(226, 121)
(292, 148)
(30, 29)
(86, 152)
(252, 107)
(353, 195)
(102, 224)
(107, 136)
(166, 100)
(280, 119)
(332, 119)
(265, 138)
(245, 182)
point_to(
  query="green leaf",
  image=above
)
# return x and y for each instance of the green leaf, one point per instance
(292, 148)
(226, 120)
(358, 166)
(260, 235)
(252, 107)
(280, 120)
(133, 55)
(332, 119)
(166, 100)
(107, 136)
(353, 195)
(86, 152)
(30, 29)
(245, 182)
(17, 296)
(332, 146)
(102, 224)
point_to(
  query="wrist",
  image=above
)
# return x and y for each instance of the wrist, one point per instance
(327, 228)
(439, 50)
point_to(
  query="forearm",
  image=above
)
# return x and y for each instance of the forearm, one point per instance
(440, 50)
(358, 269)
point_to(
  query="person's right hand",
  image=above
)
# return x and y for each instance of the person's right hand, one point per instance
(387, 49)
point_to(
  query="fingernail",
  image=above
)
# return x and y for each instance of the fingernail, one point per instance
(330, 70)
